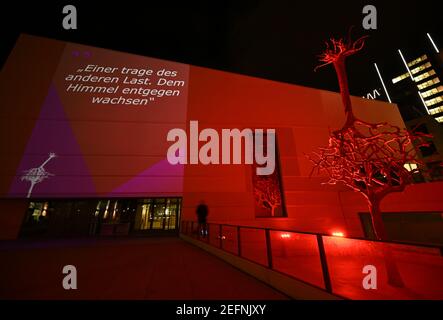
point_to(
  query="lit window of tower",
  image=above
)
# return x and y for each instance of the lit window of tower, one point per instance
(423, 71)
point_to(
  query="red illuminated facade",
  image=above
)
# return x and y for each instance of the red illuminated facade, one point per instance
(118, 151)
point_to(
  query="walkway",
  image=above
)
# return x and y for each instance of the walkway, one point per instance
(126, 268)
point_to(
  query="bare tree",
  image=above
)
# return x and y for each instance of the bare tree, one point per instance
(267, 192)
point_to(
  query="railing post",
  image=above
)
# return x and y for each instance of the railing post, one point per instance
(220, 236)
(238, 241)
(268, 247)
(324, 263)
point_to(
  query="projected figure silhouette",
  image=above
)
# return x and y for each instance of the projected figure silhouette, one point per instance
(37, 175)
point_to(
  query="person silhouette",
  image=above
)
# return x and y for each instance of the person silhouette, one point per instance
(202, 214)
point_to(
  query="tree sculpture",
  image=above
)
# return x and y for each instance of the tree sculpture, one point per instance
(336, 54)
(369, 158)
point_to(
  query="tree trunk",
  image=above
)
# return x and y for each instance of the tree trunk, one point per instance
(273, 210)
(340, 69)
(394, 276)
(377, 221)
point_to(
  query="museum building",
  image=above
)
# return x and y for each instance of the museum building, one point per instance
(73, 166)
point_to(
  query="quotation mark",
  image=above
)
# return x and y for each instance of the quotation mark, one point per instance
(78, 54)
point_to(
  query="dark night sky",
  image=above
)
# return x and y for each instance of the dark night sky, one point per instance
(272, 39)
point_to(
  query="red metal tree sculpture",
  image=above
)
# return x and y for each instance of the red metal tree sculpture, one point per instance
(372, 159)
(336, 54)
(368, 158)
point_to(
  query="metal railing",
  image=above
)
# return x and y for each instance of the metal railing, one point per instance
(333, 264)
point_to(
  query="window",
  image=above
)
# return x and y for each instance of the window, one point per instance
(91, 217)
(418, 60)
(424, 76)
(421, 68)
(37, 216)
(410, 166)
(400, 78)
(433, 101)
(415, 70)
(432, 91)
(428, 83)
(436, 110)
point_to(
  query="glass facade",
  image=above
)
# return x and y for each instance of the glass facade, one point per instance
(426, 79)
(90, 217)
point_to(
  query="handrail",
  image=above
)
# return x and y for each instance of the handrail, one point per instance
(329, 235)
(321, 280)
(269, 264)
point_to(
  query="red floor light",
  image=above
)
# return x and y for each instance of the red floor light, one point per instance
(285, 235)
(338, 234)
